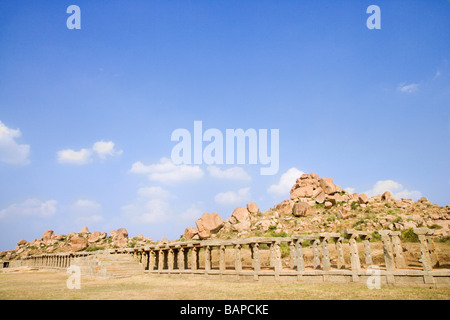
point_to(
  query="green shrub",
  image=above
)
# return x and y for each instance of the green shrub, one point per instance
(409, 235)
(354, 205)
(436, 227)
(375, 237)
(94, 248)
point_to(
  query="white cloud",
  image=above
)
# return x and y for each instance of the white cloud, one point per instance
(86, 211)
(167, 172)
(105, 149)
(396, 189)
(101, 148)
(31, 207)
(154, 192)
(350, 190)
(154, 210)
(235, 173)
(286, 182)
(70, 156)
(410, 88)
(10, 151)
(193, 213)
(232, 197)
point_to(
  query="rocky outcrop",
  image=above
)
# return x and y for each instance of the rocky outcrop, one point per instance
(208, 224)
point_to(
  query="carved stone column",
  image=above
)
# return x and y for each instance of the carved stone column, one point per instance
(277, 258)
(367, 250)
(170, 259)
(424, 250)
(300, 262)
(222, 262)
(387, 249)
(340, 261)
(256, 257)
(398, 250)
(181, 259)
(207, 258)
(194, 256)
(326, 263)
(432, 249)
(316, 254)
(237, 258)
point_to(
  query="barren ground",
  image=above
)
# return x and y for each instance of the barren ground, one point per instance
(51, 285)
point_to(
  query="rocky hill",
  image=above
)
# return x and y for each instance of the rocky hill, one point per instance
(315, 205)
(318, 205)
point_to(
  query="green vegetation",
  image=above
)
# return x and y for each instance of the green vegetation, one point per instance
(94, 248)
(409, 235)
(354, 205)
(436, 227)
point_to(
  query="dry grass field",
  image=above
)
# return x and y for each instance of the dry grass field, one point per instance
(51, 285)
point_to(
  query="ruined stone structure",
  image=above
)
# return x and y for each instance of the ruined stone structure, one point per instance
(223, 259)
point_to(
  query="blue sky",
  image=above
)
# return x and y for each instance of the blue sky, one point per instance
(78, 108)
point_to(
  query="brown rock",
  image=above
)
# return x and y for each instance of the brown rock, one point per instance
(190, 232)
(363, 198)
(242, 226)
(320, 197)
(22, 243)
(284, 207)
(96, 236)
(47, 236)
(305, 191)
(85, 230)
(252, 207)
(240, 213)
(209, 223)
(327, 185)
(328, 205)
(78, 243)
(301, 209)
(386, 196)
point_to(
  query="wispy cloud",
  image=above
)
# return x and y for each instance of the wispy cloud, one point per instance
(103, 149)
(286, 182)
(408, 88)
(235, 173)
(233, 197)
(31, 208)
(167, 172)
(12, 152)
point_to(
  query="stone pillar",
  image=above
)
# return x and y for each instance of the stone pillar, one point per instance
(237, 258)
(351, 235)
(340, 261)
(222, 262)
(170, 259)
(367, 250)
(292, 255)
(316, 253)
(181, 259)
(160, 259)
(145, 260)
(325, 252)
(300, 263)
(388, 250)
(398, 250)
(432, 249)
(152, 260)
(207, 258)
(256, 257)
(194, 256)
(424, 250)
(277, 258)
